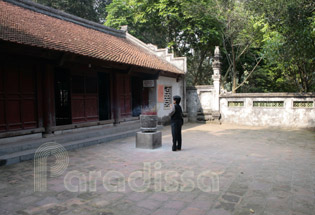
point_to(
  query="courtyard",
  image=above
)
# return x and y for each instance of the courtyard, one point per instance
(255, 170)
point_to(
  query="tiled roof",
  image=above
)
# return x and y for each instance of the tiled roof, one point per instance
(24, 26)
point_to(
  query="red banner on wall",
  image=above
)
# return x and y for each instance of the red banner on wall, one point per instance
(161, 93)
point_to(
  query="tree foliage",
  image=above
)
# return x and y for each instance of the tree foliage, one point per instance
(93, 10)
(288, 43)
(266, 45)
(241, 38)
(187, 27)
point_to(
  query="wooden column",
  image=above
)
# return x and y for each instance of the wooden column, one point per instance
(49, 99)
(116, 105)
(39, 89)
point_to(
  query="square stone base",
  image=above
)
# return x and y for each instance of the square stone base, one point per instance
(149, 140)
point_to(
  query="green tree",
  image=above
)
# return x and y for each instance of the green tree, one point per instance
(187, 27)
(267, 45)
(289, 45)
(242, 36)
(93, 10)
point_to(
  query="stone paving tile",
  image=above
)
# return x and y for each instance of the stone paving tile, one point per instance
(165, 211)
(99, 203)
(225, 206)
(201, 204)
(47, 200)
(125, 208)
(173, 204)
(260, 186)
(231, 198)
(159, 197)
(271, 171)
(137, 196)
(190, 211)
(219, 212)
(278, 213)
(302, 191)
(149, 204)
(302, 204)
(245, 211)
(183, 196)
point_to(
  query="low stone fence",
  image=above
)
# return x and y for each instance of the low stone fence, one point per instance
(269, 109)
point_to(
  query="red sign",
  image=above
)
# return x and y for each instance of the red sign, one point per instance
(161, 93)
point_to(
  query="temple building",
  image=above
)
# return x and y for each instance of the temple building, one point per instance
(59, 72)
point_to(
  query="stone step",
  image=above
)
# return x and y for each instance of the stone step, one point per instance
(205, 118)
(24, 155)
(210, 121)
(216, 122)
(70, 136)
(204, 113)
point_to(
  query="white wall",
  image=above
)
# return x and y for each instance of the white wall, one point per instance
(287, 116)
(199, 98)
(177, 89)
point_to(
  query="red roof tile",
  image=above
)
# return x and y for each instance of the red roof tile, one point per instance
(24, 26)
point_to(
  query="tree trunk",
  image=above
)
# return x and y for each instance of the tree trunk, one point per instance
(234, 70)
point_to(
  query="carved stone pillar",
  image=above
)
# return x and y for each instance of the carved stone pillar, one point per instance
(216, 83)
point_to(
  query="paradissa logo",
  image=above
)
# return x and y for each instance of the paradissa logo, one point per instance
(150, 178)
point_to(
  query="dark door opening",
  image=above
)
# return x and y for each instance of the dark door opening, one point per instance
(104, 96)
(123, 87)
(62, 97)
(139, 96)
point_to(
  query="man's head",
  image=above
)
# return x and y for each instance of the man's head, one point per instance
(176, 99)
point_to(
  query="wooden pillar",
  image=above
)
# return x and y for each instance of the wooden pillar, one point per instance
(39, 90)
(116, 97)
(49, 99)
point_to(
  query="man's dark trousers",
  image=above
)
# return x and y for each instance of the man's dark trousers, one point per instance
(177, 134)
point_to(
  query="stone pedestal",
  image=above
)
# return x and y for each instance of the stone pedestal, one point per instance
(149, 140)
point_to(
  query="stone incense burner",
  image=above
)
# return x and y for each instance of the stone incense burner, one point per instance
(149, 137)
(148, 122)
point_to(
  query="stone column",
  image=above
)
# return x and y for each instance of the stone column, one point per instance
(216, 80)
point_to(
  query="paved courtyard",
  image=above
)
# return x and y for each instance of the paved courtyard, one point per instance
(222, 170)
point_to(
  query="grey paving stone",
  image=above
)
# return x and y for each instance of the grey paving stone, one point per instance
(303, 204)
(201, 204)
(231, 198)
(245, 211)
(165, 211)
(149, 204)
(47, 200)
(56, 210)
(225, 205)
(159, 196)
(237, 189)
(219, 212)
(190, 211)
(173, 204)
(271, 171)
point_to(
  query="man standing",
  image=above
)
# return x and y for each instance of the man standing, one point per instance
(176, 123)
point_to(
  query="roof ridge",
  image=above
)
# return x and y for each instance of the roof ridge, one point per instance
(25, 22)
(153, 49)
(141, 45)
(30, 5)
